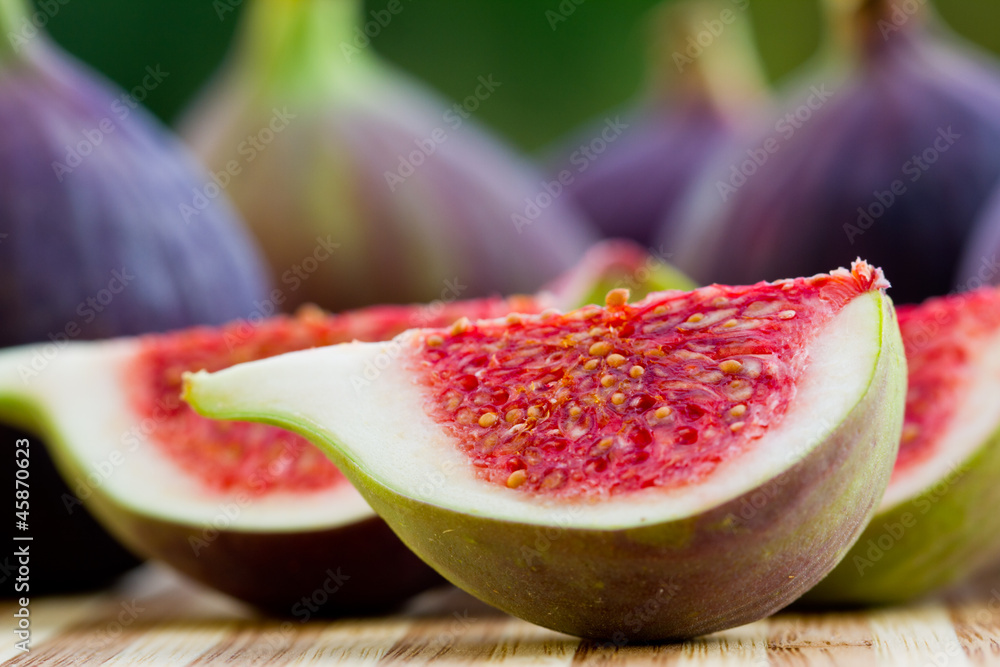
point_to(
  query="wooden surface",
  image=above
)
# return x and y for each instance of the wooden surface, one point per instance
(155, 618)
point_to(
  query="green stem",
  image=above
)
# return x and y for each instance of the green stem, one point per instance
(858, 27)
(293, 46)
(726, 73)
(12, 16)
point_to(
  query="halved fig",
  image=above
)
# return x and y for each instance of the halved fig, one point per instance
(646, 471)
(251, 510)
(937, 523)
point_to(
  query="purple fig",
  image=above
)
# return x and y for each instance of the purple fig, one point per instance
(361, 185)
(705, 83)
(93, 243)
(888, 151)
(979, 265)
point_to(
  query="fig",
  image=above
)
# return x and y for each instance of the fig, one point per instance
(889, 150)
(311, 134)
(698, 102)
(979, 264)
(648, 471)
(93, 245)
(251, 510)
(936, 524)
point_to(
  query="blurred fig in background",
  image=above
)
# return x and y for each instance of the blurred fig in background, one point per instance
(980, 263)
(705, 84)
(362, 186)
(94, 243)
(888, 150)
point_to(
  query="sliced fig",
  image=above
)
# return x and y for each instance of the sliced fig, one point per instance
(251, 510)
(687, 463)
(937, 523)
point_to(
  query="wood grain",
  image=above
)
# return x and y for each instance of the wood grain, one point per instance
(156, 618)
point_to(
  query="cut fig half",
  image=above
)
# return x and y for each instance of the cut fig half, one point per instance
(251, 510)
(937, 524)
(649, 471)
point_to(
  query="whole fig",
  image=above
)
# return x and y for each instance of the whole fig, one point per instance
(889, 150)
(698, 101)
(361, 185)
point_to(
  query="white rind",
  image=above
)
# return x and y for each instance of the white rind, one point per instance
(363, 399)
(975, 420)
(102, 446)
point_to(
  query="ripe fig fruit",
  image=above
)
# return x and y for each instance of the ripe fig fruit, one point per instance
(979, 265)
(889, 150)
(251, 510)
(698, 101)
(648, 471)
(937, 523)
(312, 134)
(93, 244)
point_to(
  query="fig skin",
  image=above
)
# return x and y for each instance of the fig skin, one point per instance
(276, 571)
(721, 568)
(692, 110)
(934, 540)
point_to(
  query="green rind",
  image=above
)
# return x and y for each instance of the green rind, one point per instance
(937, 538)
(722, 568)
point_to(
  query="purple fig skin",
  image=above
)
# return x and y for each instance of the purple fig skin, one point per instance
(99, 251)
(647, 170)
(109, 230)
(979, 264)
(311, 573)
(919, 115)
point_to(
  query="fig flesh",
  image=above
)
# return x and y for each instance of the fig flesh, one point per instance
(684, 464)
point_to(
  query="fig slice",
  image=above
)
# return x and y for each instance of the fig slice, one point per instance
(251, 510)
(649, 471)
(937, 524)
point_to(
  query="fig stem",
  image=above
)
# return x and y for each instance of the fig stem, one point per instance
(725, 75)
(299, 45)
(13, 17)
(857, 27)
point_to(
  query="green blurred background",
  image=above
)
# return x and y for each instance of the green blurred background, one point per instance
(551, 80)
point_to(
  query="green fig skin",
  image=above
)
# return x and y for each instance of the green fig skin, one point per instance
(927, 543)
(722, 568)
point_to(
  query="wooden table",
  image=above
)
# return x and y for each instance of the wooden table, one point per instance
(155, 618)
